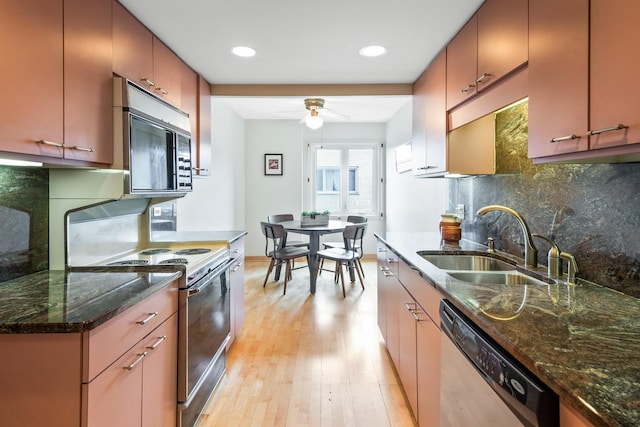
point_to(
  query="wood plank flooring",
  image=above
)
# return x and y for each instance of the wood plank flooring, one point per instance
(308, 360)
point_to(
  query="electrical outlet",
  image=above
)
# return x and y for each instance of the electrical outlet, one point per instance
(157, 211)
(460, 211)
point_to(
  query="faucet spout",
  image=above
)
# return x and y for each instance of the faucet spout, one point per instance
(530, 251)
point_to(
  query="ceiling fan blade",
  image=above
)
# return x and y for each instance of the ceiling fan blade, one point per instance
(334, 114)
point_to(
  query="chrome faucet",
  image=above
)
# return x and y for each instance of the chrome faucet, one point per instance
(530, 251)
(554, 265)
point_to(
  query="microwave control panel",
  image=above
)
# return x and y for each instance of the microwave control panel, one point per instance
(184, 167)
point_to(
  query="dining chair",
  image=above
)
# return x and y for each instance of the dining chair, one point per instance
(274, 236)
(278, 218)
(347, 256)
(354, 219)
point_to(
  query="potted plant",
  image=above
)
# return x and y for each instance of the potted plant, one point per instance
(314, 218)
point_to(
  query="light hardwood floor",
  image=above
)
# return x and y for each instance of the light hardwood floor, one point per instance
(308, 360)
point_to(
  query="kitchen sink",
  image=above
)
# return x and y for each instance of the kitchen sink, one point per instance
(495, 278)
(467, 262)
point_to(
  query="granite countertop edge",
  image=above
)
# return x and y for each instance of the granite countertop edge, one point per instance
(604, 409)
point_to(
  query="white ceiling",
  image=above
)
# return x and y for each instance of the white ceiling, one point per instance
(310, 43)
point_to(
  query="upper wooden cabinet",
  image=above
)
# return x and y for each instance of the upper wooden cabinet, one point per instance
(142, 58)
(429, 136)
(31, 41)
(203, 157)
(88, 81)
(582, 85)
(492, 44)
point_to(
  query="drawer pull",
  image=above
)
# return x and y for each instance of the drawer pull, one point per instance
(415, 316)
(387, 273)
(616, 127)
(145, 321)
(162, 91)
(467, 88)
(45, 142)
(565, 138)
(88, 149)
(236, 267)
(391, 260)
(147, 81)
(135, 362)
(407, 304)
(157, 343)
(482, 77)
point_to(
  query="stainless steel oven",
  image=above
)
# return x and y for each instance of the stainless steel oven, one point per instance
(204, 322)
(482, 385)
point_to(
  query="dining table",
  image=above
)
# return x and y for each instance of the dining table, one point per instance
(314, 232)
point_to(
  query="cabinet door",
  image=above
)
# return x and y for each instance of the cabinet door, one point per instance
(203, 153)
(428, 370)
(614, 64)
(462, 60)
(31, 85)
(167, 73)
(502, 39)
(558, 77)
(383, 292)
(237, 288)
(88, 81)
(132, 48)
(114, 398)
(407, 347)
(160, 373)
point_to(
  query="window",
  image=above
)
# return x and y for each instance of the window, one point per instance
(344, 177)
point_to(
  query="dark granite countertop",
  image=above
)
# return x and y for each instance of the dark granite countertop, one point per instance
(59, 301)
(582, 340)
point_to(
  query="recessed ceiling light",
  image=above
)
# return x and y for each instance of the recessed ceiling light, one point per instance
(243, 51)
(373, 50)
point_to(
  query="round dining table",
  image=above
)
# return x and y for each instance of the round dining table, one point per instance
(314, 232)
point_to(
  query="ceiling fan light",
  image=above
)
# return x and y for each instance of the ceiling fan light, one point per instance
(372, 51)
(243, 51)
(314, 122)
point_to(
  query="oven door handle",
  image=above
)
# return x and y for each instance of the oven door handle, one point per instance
(208, 279)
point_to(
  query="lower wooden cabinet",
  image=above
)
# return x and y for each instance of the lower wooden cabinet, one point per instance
(410, 327)
(138, 389)
(237, 288)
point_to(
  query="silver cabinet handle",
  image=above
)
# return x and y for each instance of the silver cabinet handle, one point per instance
(391, 260)
(565, 138)
(199, 169)
(157, 343)
(88, 149)
(236, 267)
(162, 91)
(616, 127)
(147, 81)
(45, 142)
(482, 77)
(407, 304)
(427, 167)
(467, 88)
(135, 362)
(144, 321)
(415, 316)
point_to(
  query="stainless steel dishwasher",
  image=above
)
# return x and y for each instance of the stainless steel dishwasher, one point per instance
(482, 385)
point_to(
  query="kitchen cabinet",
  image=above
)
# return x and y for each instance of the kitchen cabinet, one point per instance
(203, 129)
(409, 321)
(569, 417)
(429, 124)
(492, 44)
(575, 106)
(237, 288)
(81, 379)
(31, 40)
(88, 82)
(142, 58)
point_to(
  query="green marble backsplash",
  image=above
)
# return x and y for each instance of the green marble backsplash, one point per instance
(24, 221)
(590, 210)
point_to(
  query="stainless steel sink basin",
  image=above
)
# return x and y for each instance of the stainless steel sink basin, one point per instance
(495, 278)
(467, 262)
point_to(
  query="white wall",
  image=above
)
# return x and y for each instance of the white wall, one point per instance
(412, 204)
(217, 201)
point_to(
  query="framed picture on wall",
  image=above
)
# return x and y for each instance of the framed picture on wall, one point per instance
(273, 164)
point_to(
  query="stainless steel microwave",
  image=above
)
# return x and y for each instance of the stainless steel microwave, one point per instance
(155, 142)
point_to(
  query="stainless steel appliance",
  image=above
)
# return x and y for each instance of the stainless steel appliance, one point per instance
(152, 142)
(482, 385)
(204, 327)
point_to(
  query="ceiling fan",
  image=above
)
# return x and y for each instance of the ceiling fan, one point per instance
(317, 110)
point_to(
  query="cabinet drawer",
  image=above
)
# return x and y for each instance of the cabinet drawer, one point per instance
(423, 292)
(237, 248)
(110, 340)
